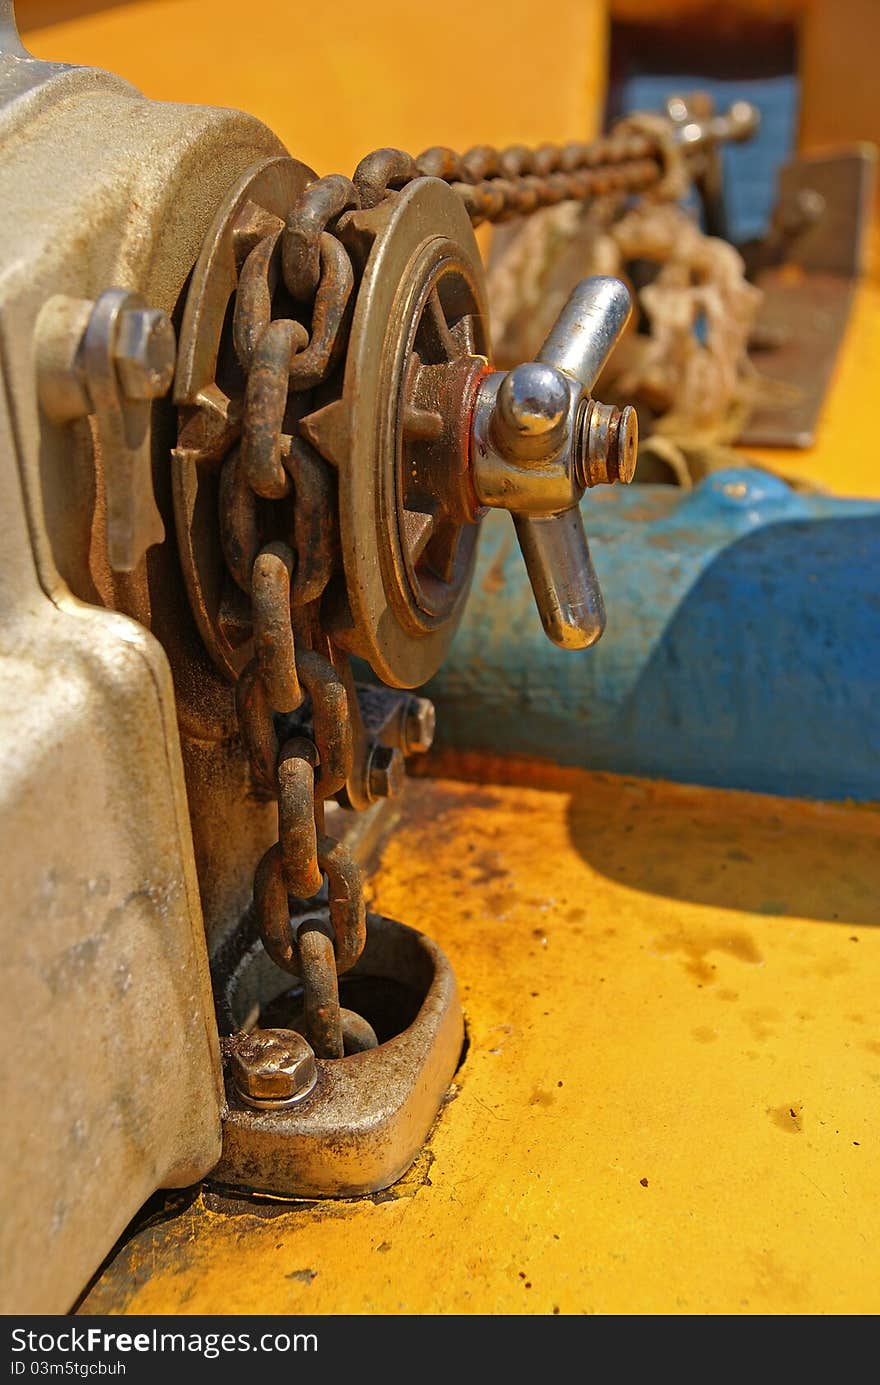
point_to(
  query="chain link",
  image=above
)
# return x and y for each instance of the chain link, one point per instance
(285, 575)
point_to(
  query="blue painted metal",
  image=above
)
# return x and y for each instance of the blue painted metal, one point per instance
(742, 648)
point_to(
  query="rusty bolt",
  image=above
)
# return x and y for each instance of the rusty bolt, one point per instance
(144, 353)
(271, 1067)
(609, 445)
(386, 772)
(419, 722)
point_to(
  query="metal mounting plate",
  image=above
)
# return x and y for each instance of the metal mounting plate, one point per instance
(810, 312)
(369, 1114)
(807, 298)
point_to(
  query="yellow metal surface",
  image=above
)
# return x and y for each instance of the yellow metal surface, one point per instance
(669, 1102)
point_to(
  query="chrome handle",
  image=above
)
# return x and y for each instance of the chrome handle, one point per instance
(588, 329)
(539, 440)
(564, 581)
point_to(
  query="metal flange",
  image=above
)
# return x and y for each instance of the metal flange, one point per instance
(421, 306)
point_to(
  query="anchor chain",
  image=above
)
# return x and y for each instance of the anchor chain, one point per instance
(279, 530)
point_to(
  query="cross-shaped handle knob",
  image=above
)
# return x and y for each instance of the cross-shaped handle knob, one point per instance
(539, 439)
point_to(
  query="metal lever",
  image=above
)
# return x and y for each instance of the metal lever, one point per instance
(539, 440)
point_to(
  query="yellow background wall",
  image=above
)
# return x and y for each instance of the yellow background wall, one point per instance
(335, 80)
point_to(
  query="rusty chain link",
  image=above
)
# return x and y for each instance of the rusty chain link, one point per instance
(278, 522)
(496, 185)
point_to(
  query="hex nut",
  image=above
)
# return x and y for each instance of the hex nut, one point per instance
(271, 1067)
(419, 724)
(386, 772)
(144, 352)
(61, 379)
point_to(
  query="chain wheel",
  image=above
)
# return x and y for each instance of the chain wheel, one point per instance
(208, 390)
(420, 330)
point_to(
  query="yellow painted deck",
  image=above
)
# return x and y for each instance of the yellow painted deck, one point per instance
(670, 1099)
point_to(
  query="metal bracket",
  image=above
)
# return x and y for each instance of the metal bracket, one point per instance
(807, 269)
(367, 1116)
(109, 360)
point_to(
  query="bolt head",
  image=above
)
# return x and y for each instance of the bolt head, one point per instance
(386, 773)
(419, 725)
(271, 1067)
(533, 400)
(736, 490)
(691, 133)
(144, 352)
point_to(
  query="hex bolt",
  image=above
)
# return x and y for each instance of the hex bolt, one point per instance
(143, 350)
(419, 724)
(271, 1068)
(108, 359)
(144, 353)
(803, 211)
(386, 772)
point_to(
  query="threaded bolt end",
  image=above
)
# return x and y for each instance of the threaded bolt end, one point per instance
(607, 444)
